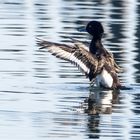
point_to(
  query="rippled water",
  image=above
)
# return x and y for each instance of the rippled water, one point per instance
(42, 97)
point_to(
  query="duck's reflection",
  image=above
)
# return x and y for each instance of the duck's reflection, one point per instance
(99, 102)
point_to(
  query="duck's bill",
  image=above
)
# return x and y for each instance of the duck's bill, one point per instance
(82, 29)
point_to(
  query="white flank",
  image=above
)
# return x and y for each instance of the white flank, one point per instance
(104, 79)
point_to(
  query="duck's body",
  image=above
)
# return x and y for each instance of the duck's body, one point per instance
(96, 62)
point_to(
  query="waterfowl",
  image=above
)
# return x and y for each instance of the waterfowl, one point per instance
(96, 62)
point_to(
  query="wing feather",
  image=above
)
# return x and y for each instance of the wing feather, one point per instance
(76, 54)
(80, 44)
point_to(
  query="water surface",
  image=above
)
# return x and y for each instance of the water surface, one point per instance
(42, 97)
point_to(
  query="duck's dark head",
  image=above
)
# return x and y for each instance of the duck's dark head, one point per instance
(95, 29)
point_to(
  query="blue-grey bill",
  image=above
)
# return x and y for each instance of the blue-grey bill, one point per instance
(82, 29)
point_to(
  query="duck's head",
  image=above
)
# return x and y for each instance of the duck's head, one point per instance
(95, 29)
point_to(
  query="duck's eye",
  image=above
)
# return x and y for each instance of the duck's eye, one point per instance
(90, 26)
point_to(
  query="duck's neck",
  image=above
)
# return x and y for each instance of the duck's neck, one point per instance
(95, 45)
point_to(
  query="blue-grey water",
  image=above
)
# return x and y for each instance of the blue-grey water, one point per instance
(42, 97)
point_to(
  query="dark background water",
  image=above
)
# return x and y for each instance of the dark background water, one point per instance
(42, 97)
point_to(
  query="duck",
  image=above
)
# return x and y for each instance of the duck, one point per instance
(96, 62)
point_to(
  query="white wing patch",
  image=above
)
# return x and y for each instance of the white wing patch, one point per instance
(59, 52)
(80, 63)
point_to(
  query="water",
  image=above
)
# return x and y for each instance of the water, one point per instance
(42, 97)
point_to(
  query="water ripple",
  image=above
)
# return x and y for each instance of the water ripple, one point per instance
(42, 97)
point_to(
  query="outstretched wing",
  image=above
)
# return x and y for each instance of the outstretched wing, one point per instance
(76, 54)
(84, 45)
